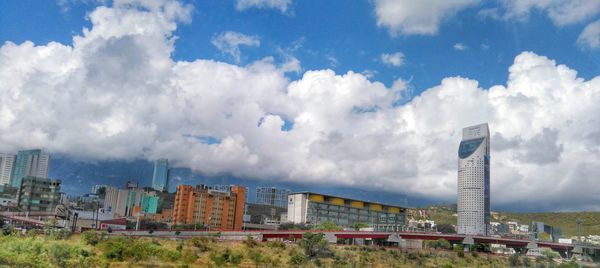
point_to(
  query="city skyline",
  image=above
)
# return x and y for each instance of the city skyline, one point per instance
(365, 97)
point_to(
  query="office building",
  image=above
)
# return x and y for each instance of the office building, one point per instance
(7, 163)
(30, 163)
(160, 177)
(39, 194)
(97, 188)
(313, 208)
(149, 204)
(544, 232)
(111, 197)
(473, 205)
(260, 213)
(129, 202)
(221, 210)
(272, 196)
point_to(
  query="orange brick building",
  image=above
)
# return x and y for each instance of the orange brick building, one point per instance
(202, 205)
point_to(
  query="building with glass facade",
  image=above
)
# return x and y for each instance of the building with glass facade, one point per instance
(473, 204)
(313, 208)
(39, 194)
(30, 163)
(272, 196)
(160, 177)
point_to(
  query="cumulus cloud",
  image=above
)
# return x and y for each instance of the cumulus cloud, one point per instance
(394, 59)
(116, 93)
(417, 17)
(230, 42)
(281, 5)
(460, 47)
(560, 12)
(590, 36)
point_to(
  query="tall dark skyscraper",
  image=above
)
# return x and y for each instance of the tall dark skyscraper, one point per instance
(160, 177)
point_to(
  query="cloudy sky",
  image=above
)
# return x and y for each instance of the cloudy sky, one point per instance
(372, 94)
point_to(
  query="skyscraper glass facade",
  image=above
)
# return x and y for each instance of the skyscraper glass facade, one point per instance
(272, 196)
(160, 177)
(30, 163)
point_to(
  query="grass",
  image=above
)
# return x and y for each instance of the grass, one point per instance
(38, 250)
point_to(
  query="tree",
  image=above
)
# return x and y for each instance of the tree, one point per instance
(357, 226)
(328, 226)
(446, 228)
(440, 243)
(549, 254)
(315, 245)
(293, 226)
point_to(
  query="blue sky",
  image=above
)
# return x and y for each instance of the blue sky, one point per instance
(336, 35)
(363, 94)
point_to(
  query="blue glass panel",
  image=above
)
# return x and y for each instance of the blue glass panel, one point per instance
(468, 147)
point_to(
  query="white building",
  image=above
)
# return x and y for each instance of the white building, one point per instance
(474, 181)
(7, 162)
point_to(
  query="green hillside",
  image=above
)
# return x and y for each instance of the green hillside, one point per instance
(566, 221)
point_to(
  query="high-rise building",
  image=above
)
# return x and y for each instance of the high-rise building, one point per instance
(272, 196)
(474, 181)
(30, 163)
(160, 177)
(220, 210)
(39, 194)
(7, 163)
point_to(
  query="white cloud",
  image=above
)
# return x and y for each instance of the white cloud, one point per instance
(417, 17)
(560, 12)
(116, 93)
(281, 5)
(590, 36)
(394, 59)
(460, 47)
(230, 42)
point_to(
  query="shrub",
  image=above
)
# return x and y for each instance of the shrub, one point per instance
(514, 260)
(315, 245)
(90, 237)
(58, 234)
(328, 226)
(276, 244)
(440, 243)
(460, 252)
(256, 257)
(60, 254)
(201, 243)
(250, 242)
(226, 257)
(297, 258)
